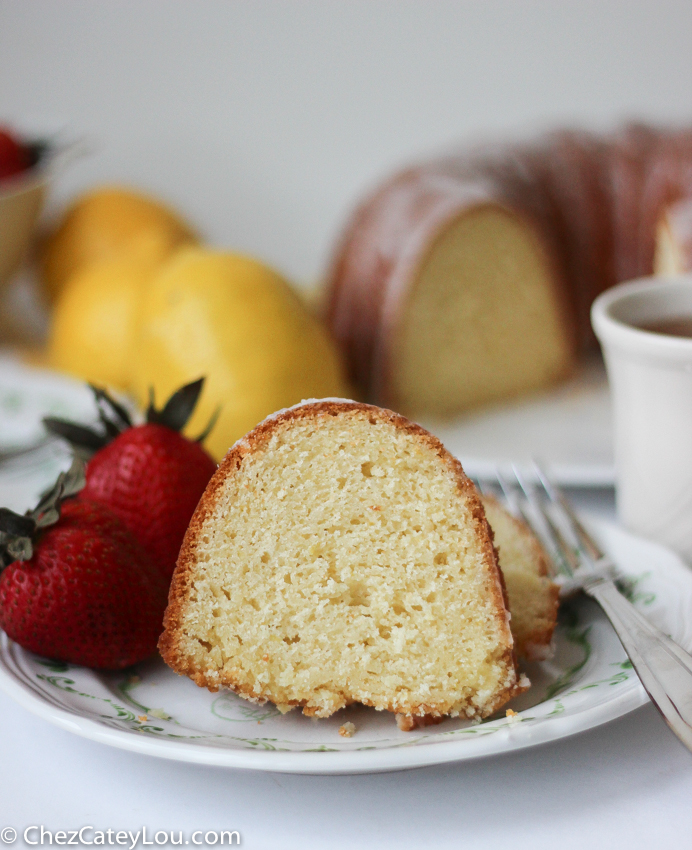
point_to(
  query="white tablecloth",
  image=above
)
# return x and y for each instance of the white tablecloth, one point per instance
(627, 784)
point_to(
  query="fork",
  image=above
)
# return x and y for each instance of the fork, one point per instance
(664, 668)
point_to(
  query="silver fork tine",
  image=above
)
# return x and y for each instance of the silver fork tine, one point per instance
(563, 546)
(556, 496)
(516, 507)
(509, 494)
(569, 552)
(538, 520)
(588, 552)
(482, 486)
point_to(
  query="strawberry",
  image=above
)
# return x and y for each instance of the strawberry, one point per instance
(14, 157)
(150, 475)
(76, 586)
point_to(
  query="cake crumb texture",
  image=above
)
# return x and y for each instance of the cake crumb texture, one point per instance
(341, 555)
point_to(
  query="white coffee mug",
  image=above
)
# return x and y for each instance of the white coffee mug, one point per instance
(650, 376)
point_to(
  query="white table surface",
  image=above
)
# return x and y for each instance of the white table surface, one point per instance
(627, 784)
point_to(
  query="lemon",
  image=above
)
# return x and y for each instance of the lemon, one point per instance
(104, 224)
(239, 324)
(93, 325)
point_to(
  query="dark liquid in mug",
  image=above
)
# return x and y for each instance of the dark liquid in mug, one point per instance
(677, 326)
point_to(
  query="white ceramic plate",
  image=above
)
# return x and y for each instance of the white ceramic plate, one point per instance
(26, 396)
(569, 429)
(150, 710)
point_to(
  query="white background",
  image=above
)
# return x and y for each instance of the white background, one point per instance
(263, 121)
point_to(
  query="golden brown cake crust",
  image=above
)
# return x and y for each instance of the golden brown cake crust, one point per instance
(169, 642)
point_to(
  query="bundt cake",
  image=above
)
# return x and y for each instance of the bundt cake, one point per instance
(532, 595)
(470, 278)
(674, 240)
(341, 555)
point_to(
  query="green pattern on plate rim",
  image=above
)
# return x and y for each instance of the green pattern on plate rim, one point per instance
(150, 700)
(151, 710)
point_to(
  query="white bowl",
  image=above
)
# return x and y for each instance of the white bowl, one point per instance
(21, 202)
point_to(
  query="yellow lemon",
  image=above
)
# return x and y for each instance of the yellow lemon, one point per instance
(93, 325)
(240, 325)
(107, 223)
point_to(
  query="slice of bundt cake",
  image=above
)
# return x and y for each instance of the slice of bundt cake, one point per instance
(341, 555)
(533, 596)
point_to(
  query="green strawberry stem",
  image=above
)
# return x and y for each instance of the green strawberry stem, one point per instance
(179, 407)
(205, 433)
(114, 419)
(86, 441)
(18, 533)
